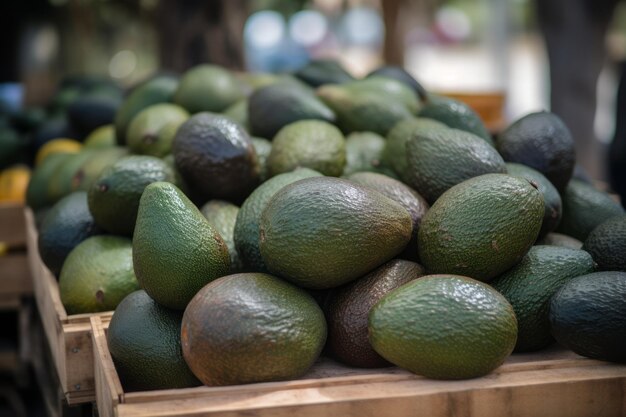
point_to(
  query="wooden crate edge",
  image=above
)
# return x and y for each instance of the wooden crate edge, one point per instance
(109, 392)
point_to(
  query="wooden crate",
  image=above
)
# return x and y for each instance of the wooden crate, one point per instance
(67, 335)
(12, 225)
(15, 280)
(546, 384)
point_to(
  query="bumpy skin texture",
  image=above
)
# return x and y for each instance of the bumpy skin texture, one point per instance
(607, 244)
(364, 152)
(114, 197)
(222, 215)
(585, 208)
(481, 227)
(68, 223)
(442, 158)
(363, 111)
(402, 194)
(455, 114)
(310, 144)
(558, 239)
(207, 88)
(263, 147)
(251, 327)
(247, 233)
(324, 232)
(216, 158)
(97, 275)
(553, 206)
(543, 142)
(275, 106)
(348, 309)
(588, 316)
(394, 154)
(530, 284)
(144, 341)
(143, 136)
(444, 327)
(176, 251)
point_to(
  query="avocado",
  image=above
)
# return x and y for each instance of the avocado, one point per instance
(323, 71)
(159, 89)
(398, 73)
(238, 113)
(252, 327)
(323, 232)
(93, 166)
(222, 215)
(246, 234)
(348, 307)
(67, 224)
(607, 244)
(91, 111)
(480, 227)
(388, 87)
(144, 135)
(456, 114)
(144, 341)
(553, 206)
(558, 239)
(176, 251)
(263, 148)
(584, 208)
(362, 110)
(216, 158)
(12, 147)
(313, 144)
(588, 316)
(543, 142)
(52, 128)
(275, 106)
(444, 327)
(207, 88)
(402, 194)
(60, 181)
(364, 152)
(441, 158)
(102, 137)
(37, 190)
(529, 285)
(97, 274)
(114, 197)
(394, 154)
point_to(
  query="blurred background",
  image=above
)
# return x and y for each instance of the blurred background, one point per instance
(489, 47)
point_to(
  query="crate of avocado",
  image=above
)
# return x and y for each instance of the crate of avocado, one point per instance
(315, 244)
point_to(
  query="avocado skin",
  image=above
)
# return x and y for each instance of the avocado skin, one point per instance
(323, 71)
(529, 285)
(588, 316)
(398, 73)
(216, 158)
(559, 239)
(607, 244)
(347, 309)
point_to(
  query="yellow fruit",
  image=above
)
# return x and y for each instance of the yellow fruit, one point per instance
(61, 145)
(13, 183)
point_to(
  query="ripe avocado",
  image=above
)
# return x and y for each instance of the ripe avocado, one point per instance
(263, 148)
(60, 181)
(91, 169)
(68, 223)
(313, 144)
(480, 227)
(529, 285)
(144, 132)
(553, 205)
(144, 341)
(222, 215)
(216, 158)
(444, 327)
(176, 251)
(364, 152)
(398, 73)
(347, 309)
(543, 142)
(323, 71)
(607, 244)
(585, 208)
(272, 107)
(246, 233)
(588, 315)
(251, 327)
(324, 232)
(386, 87)
(441, 158)
(207, 88)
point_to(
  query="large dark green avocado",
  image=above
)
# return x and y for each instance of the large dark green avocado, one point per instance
(216, 158)
(588, 315)
(607, 244)
(324, 232)
(144, 341)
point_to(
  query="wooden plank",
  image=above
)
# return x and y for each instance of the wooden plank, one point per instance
(15, 275)
(12, 225)
(68, 336)
(549, 383)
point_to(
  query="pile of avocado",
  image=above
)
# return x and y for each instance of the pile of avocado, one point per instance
(241, 225)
